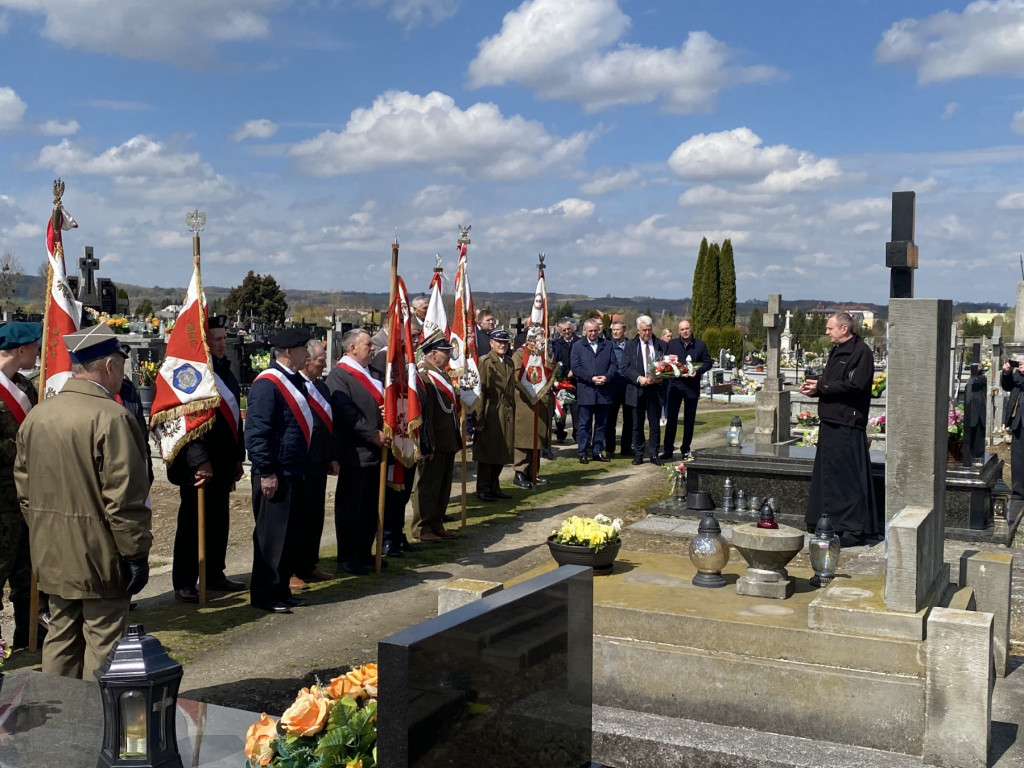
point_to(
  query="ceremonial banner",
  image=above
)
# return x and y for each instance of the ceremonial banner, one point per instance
(403, 412)
(537, 372)
(62, 313)
(436, 322)
(463, 364)
(186, 397)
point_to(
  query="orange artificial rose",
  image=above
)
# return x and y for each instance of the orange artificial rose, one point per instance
(359, 683)
(354, 764)
(258, 738)
(343, 686)
(307, 715)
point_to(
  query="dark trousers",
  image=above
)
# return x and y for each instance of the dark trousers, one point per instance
(217, 514)
(275, 538)
(1017, 464)
(16, 569)
(590, 434)
(648, 408)
(395, 501)
(626, 436)
(355, 512)
(312, 520)
(676, 398)
(432, 493)
(487, 477)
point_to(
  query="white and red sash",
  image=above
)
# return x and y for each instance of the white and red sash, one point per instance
(14, 398)
(444, 386)
(297, 402)
(320, 406)
(370, 384)
(228, 407)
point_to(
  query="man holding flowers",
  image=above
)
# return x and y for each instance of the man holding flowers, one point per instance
(691, 351)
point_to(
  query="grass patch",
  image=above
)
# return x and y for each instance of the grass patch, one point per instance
(710, 420)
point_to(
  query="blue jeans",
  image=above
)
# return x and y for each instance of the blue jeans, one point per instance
(593, 419)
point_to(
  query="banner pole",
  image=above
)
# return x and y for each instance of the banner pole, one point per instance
(382, 486)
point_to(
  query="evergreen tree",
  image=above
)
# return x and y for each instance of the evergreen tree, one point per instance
(709, 290)
(696, 300)
(726, 287)
(259, 296)
(755, 328)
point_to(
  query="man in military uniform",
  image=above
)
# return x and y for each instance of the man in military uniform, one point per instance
(19, 346)
(433, 486)
(89, 522)
(524, 458)
(495, 421)
(279, 425)
(212, 461)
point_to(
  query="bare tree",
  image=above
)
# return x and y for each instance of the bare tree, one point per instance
(10, 271)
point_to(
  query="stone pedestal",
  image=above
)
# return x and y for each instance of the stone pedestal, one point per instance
(771, 416)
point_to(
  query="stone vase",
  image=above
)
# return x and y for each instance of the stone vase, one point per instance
(601, 561)
(146, 394)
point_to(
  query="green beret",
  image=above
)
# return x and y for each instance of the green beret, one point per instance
(18, 333)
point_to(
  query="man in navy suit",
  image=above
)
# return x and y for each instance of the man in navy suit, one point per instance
(593, 363)
(685, 389)
(642, 391)
(618, 383)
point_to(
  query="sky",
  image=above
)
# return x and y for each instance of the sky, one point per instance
(611, 135)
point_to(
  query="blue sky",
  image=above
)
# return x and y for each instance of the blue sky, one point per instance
(610, 134)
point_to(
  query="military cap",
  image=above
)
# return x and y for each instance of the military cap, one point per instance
(217, 321)
(440, 344)
(92, 344)
(288, 338)
(18, 333)
(500, 334)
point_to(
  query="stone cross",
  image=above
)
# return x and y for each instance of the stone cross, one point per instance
(88, 265)
(770, 320)
(900, 252)
(771, 404)
(788, 316)
(518, 323)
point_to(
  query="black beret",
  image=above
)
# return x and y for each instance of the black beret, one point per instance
(218, 321)
(289, 338)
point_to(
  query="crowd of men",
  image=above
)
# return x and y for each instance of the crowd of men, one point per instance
(78, 472)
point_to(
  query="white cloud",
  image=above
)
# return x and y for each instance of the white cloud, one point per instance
(606, 181)
(57, 128)
(403, 128)
(5, 24)
(737, 155)
(254, 129)
(24, 229)
(562, 49)
(986, 39)
(185, 32)
(950, 228)
(920, 186)
(1017, 126)
(710, 195)
(414, 12)
(867, 207)
(12, 109)
(571, 207)
(1011, 202)
(432, 194)
(949, 111)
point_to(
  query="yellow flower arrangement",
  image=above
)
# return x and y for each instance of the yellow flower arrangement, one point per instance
(118, 324)
(332, 726)
(595, 532)
(148, 371)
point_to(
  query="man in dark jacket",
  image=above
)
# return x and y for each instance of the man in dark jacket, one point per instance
(1011, 379)
(593, 363)
(561, 346)
(279, 425)
(212, 461)
(618, 387)
(642, 391)
(685, 389)
(841, 482)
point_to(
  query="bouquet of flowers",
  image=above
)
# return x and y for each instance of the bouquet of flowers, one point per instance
(332, 726)
(565, 395)
(670, 367)
(259, 361)
(806, 419)
(878, 385)
(148, 371)
(595, 532)
(955, 423)
(748, 388)
(878, 424)
(118, 324)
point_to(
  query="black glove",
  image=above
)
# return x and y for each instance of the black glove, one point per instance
(138, 574)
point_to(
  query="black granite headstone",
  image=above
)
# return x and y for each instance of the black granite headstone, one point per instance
(503, 682)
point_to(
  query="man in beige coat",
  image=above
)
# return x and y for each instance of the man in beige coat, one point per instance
(82, 484)
(495, 422)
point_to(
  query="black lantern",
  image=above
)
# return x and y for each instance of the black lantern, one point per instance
(1000, 499)
(140, 693)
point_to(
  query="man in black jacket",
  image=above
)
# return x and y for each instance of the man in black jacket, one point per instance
(1011, 379)
(841, 482)
(561, 346)
(212, 461)
(685, 389)
(642, 390)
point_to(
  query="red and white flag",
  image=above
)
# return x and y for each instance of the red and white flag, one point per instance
(63, 312)
(186, 397)
(435, 323)
(464, 359)
(403, 412)
(537, 372)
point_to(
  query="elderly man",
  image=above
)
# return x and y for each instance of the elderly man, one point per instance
(89, 522)
(321, 461)
(618, 388)
(841, 483)
(524, 458)
(19, 346)
(685, 389)
(642, 390)
(495, 420)
(279, 426)
(212, 461)
(593, 364)
(419, 306)
(561, 347)
(357, 399)
(433, 486)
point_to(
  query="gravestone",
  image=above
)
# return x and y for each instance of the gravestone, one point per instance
(88, 265)
(997, 398)
(786, 340)
(771, 404)
(1018, 320)
(900, 252)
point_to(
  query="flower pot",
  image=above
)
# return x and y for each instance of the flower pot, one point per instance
(571, 554)
(955, 451)
(146, 393)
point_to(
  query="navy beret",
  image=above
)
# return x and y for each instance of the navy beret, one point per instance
(289, 338)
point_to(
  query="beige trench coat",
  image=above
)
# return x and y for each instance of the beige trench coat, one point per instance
(495, 419)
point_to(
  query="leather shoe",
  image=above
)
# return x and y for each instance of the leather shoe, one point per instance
(447, 534)
(520, 481)
(542, 480)
(584, 459)
(656, 461)
(297, 584)
(637, 460)
(430, 537)
(393, 550)
(317, 575)
(294, 602)
(356, 569)
(187, 595)
(666, 454)
(600, 457)
(275, 607)
(225, 584)
(502, 495)
(485, 496)
(548, 454)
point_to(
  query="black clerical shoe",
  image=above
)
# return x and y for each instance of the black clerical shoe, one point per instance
(446, 519)
(274, 607)
(187, 595)
(600, 457)
(295, 602)
(501, 495)
(224, 584)
(408, 546)
(393, 550)
(520, 481)
(584, 459)
(548, 454)
(656, 461)
(486, 496)
(638, 460)
(666, 455)
(852, 539)
(356, 569)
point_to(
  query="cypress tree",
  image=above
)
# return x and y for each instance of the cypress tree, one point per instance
(709, 289)
(697, 300)
(726, 287)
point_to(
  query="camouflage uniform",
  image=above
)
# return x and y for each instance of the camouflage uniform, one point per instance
(15, 564)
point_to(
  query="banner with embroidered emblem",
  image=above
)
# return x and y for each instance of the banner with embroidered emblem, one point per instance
(62, 311)
(403, 412)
